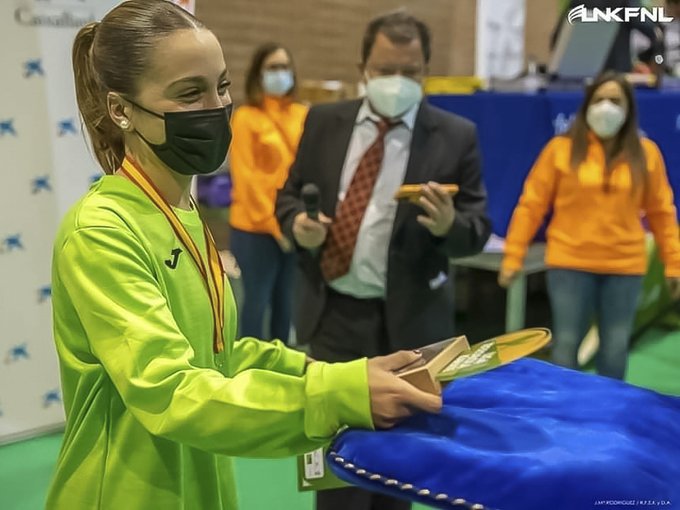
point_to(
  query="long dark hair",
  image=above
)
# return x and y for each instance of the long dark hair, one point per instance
(111, 56)
(627, 145)
(254, 92)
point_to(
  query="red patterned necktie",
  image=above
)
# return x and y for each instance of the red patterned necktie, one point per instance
(336, 257)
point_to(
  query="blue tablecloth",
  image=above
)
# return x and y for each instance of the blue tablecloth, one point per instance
(513, 128)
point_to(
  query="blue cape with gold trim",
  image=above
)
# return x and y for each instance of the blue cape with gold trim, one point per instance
(529, 435)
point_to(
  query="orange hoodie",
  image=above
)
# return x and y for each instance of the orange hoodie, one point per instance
(262, 150)
(592, 229)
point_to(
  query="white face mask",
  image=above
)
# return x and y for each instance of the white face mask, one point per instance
(392, 96)
(277, 83)
(605, 118)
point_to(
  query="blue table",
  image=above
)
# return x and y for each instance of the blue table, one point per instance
(513, 128)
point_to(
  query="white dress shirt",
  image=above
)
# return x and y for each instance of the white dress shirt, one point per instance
(368, 270)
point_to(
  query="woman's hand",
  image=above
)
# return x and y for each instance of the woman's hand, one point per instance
(506, 277)
(392, 398)
(285, 244)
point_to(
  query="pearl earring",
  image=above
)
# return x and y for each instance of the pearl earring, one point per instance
(124, 124)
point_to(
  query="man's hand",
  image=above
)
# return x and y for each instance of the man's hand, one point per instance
(309, 233)
(438, 205)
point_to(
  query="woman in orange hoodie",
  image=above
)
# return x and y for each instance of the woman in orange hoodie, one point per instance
(266, 133)
(598, 180)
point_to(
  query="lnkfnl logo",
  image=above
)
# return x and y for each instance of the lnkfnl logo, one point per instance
(618, 14)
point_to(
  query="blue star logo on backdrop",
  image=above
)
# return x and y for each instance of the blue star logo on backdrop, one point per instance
(44, 293)
(33, 68)
(16, 353)
(41, 184)
(51, 397)
(7, 127)
(67, 127)
(12, 243)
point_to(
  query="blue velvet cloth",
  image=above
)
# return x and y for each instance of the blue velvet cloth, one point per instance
(529, 435)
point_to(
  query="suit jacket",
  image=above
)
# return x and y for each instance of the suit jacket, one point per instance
(419, 298)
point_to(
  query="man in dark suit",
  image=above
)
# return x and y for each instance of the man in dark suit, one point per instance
(375, 277)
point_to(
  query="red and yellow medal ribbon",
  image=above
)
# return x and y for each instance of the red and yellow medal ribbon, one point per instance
(213, 274)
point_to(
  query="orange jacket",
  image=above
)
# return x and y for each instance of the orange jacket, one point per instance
(262, 150)
(592, 229)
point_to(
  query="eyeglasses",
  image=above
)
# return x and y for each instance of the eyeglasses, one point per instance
(413, 72)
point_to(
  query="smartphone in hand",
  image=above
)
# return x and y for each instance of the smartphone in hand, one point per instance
(413, 192)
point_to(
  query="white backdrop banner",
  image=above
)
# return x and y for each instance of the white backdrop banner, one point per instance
(45, 168)
(500, 38)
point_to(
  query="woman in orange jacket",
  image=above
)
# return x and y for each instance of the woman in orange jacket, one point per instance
(266, 133)
(598, 180)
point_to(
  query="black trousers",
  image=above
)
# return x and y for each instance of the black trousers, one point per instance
(352, 328)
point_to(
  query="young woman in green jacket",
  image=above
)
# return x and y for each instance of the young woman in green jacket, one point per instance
(158, 395)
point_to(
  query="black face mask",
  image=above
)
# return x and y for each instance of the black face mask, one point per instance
(196, 141)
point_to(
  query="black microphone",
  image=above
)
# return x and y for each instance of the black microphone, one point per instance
(310, 197)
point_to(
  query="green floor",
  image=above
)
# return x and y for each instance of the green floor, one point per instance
(25, 467)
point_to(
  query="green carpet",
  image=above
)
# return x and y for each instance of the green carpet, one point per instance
(655, 362)
(26, 467)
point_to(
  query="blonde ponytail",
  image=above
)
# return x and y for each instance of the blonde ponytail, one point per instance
(106, 138)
